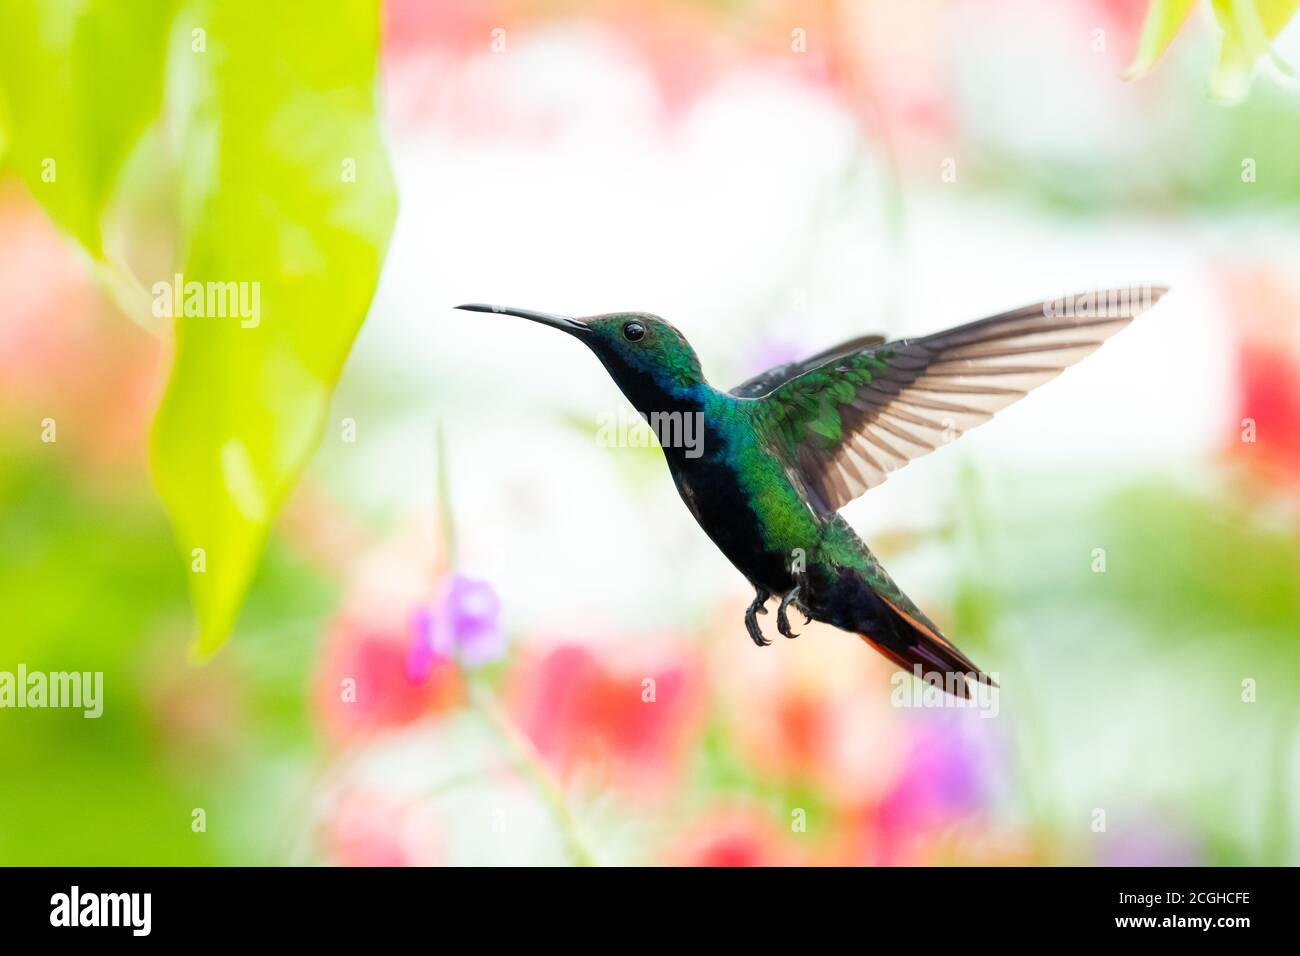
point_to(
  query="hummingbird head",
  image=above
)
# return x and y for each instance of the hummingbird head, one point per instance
(647, 357)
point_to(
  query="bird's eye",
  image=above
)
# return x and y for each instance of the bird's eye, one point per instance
(634, 331)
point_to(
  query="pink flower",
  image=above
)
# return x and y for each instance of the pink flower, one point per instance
(738, 836)
(369, 827)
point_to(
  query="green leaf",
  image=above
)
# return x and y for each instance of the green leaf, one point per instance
(1249, 27)
(1164, 19)
(81, 80)
(274, 112)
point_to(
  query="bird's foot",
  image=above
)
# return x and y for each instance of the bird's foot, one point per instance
(782, 622)
(756, 607)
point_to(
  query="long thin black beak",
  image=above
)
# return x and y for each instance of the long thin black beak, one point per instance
(562, 322)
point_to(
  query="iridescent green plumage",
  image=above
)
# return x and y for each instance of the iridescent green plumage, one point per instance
(784, 451)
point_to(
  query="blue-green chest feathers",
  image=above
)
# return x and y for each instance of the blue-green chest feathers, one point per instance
(742, 496)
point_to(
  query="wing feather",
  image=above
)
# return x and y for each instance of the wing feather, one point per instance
(866, 410)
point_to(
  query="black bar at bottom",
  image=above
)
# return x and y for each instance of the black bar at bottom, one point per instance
(334, 905)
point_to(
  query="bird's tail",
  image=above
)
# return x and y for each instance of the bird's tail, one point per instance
(913, 640)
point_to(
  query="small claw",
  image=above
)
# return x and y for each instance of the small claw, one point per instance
(751, 621)
(783, 625)
(782, 622)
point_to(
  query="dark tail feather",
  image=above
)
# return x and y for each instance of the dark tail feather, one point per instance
(916, 641)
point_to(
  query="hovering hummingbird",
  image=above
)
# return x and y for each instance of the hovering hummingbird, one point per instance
(782, 452)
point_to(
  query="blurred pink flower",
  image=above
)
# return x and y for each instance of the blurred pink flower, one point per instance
(825, 720)
(65, 353)
(737, 836)
(889, 66)
(368, 827)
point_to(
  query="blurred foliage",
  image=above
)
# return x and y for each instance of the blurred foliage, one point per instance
(1116, 670)
(283, 184)
(92, 574)
(1189, 152)
(1222, 566)
(1248, 27)
(1148, 177)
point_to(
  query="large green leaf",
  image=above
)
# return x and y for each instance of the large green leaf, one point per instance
(80, 80)
(272, 117)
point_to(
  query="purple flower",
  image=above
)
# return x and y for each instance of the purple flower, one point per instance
(464, 625)
(950, 771)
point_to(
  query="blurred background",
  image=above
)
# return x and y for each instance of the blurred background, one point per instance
(480, 636)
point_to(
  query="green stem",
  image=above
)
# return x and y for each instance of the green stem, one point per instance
(442, 498)
(530, 761)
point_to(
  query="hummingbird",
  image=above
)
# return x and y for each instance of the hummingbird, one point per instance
(778, 455)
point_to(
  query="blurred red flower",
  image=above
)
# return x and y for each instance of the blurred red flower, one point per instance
(362, 685)
(1264, 307)
(606, 718)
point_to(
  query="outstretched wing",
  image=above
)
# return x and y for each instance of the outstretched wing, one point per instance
(845, 424)
(764, 382)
